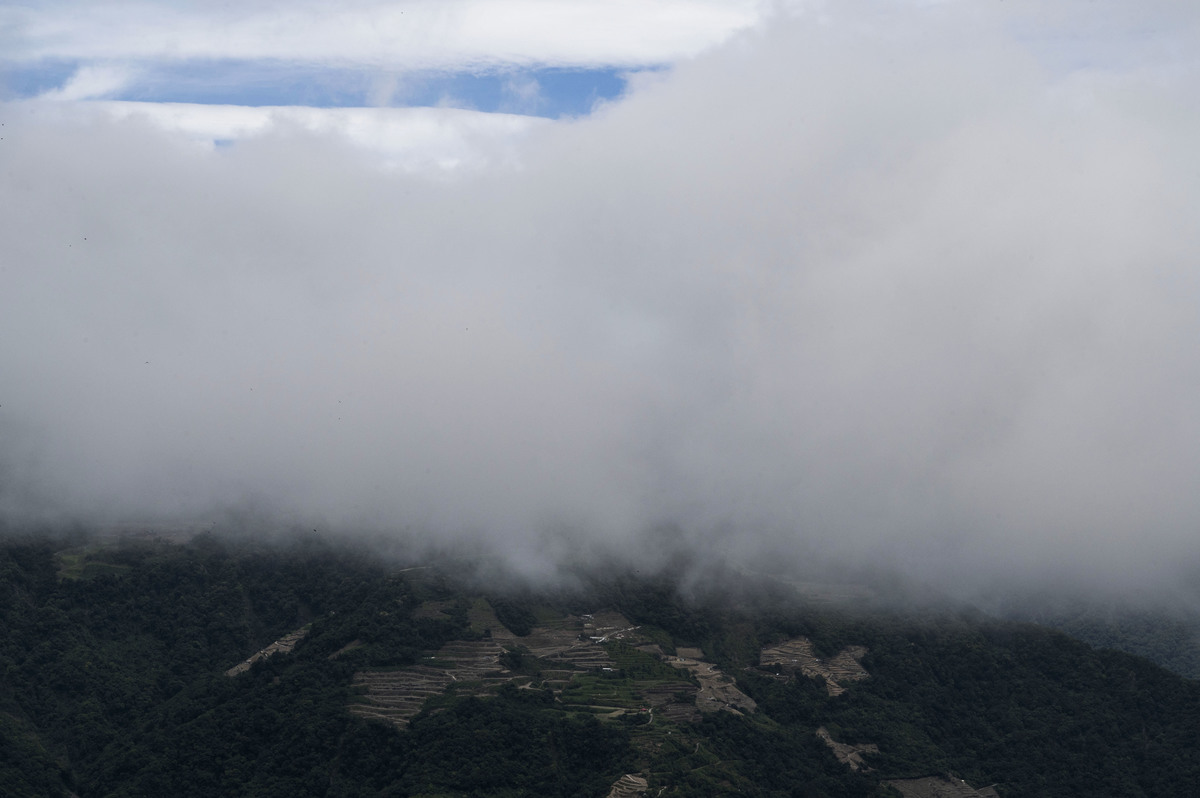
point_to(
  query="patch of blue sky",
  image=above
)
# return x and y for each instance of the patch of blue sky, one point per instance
(552, 92)
(549, 92)
(30, 80)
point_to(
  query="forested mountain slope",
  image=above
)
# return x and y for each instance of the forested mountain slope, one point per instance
(115, 659)
(1165, 631)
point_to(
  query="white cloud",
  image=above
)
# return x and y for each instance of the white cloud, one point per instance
(523, 95)
(91, 82)
(405, 138)
(895, 290)
(417, 34)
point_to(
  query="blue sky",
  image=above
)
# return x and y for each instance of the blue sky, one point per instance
(533, 57)
(551, 92)
(214, 72)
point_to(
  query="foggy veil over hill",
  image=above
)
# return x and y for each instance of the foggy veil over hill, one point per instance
(909, 285)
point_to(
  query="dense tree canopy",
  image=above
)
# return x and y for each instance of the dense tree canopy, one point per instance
(114, 656)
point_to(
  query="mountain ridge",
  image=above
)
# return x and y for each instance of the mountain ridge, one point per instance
(116, 659)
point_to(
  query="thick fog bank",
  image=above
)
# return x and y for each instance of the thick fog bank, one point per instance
(907, 287)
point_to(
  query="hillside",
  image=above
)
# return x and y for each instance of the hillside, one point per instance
(1164, 632)
(308, 669)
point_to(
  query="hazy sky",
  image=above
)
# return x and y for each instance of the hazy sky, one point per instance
(909, 281)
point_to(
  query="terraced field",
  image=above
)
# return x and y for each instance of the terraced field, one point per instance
(797, 655)
(673, 701)
(717, 691)
(603, 664)
(939, 787)
(483, 620)
(848, 754)
(596, 693)
(574, 657)
(628, 786)
(281, 646)
(397, 695)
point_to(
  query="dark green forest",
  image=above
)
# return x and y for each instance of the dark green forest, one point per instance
(1166, 633)
(114, 657)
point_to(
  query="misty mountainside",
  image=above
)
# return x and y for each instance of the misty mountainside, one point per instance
(1166, 634)
(213, 667)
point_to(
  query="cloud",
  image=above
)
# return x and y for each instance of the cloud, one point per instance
(896, 289)
(400, 138)
(91, 82)
(524, 94)
(417, 34)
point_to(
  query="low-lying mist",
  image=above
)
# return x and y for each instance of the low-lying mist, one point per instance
(909, 289)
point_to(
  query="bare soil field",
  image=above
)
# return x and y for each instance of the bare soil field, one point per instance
(628, 786)
(797, 655)
(281, 646)
(848, 754)
(717, 691)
